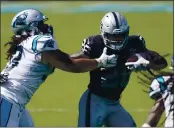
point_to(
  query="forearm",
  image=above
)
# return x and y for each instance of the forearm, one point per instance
(82, 61)
(63, 61)
(77, 65)
(155, 114)
(157, 62)
(83, 65)
(152, 119)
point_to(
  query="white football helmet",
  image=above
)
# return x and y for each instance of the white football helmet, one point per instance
(114, 30)
(27, 21)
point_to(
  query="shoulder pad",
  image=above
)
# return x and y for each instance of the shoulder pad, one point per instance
(137, 38)
(43, 43)
(88, 43)
(137, 41)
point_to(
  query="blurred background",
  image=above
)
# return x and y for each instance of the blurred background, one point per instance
(56, 102)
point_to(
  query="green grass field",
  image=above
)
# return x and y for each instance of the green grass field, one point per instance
(62, 90)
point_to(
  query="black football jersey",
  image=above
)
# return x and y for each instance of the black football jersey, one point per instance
(110, 82)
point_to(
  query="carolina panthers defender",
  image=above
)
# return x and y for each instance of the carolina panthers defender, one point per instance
(100, 104)
(33, 55)
(162, 91)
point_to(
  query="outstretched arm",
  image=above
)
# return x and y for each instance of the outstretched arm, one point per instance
(63, 61)
(50, 54)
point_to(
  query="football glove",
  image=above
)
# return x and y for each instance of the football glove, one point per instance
(140, 64)
(107, 60)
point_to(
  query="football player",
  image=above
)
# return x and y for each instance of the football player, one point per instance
(100, 105)
(33, 55)
(162, 91)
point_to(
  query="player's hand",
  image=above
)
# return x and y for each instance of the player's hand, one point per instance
(3, 77)
(139, 65)
(107, 60)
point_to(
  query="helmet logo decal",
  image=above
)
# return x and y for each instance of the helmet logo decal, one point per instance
(21, 19)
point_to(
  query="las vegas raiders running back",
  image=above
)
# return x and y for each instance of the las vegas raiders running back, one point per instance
(33, 55)
(100, 105)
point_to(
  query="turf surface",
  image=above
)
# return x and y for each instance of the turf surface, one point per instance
(57, 99)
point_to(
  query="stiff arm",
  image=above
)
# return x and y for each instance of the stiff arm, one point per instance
(63, 61)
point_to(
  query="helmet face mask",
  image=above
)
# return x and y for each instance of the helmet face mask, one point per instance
(115, 41)
(114, 30)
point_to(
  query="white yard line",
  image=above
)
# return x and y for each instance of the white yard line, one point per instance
(48, 110)
(58, 110)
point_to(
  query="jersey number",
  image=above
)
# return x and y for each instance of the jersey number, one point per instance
(16, 57)
(85, 46)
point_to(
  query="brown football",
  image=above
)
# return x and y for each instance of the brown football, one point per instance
(133, 58)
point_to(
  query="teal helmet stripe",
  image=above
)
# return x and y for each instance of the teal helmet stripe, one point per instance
(160, 79)
(162, 83)
(34, 43)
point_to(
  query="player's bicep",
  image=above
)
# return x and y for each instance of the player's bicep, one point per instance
(63, 61)
(56, 58)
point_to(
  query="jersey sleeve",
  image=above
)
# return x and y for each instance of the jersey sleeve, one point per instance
(136, 44)
(155, 91)
(140, 45)
(44, 43)
(86, 47)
